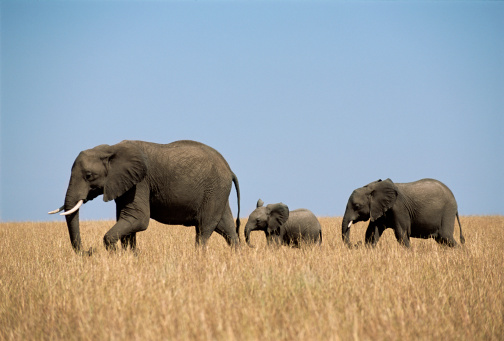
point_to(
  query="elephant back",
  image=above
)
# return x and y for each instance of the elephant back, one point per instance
(303, 224)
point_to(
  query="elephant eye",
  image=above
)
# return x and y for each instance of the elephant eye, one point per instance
(89, 176)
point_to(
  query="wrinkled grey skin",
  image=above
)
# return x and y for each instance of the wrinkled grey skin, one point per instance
(181, 183)
(422, 209)
(282, 227)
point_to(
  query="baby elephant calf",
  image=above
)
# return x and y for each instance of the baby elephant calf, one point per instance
(422, 209)
(284, 227)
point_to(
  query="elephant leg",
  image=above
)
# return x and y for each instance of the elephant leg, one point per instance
(129, 240)
(202, 235)
(402, 236)
(226, 228)
(296, 243)
(228, 238)
(445, 235)
(125, 242)
(448, 241)
(214, 217)
(132, 212)
(373, 234)
(204, 230)
(126, 232)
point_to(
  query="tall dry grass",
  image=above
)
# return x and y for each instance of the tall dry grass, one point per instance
(171, 290)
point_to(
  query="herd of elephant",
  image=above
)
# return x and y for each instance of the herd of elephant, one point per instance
(188, 183)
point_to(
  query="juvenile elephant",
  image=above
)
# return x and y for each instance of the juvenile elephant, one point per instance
(283, 227)
(422, 209)
(181, 183)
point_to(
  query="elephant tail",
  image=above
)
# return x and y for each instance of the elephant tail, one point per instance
(320, 235)
(237, 186)
(462, 239)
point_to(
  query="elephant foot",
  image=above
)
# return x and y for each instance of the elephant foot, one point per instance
(111, 247)
(110, 243)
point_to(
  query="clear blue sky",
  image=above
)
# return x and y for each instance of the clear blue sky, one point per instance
(306, 100)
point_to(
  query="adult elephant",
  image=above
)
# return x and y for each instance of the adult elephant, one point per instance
(181, 183)
(282, 226)
(422, 209)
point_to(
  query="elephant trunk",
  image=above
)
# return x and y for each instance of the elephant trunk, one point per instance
(248, 229)
(72, 221)
(76, 195)
(345, 230)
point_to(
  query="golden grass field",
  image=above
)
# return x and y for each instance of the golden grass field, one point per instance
(173, 291)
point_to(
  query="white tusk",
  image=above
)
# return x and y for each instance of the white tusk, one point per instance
(76, 207)
(58, 210)
(350, 223)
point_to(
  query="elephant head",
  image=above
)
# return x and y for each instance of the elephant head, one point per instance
(368, 202)
(268, 219)
(107, 170)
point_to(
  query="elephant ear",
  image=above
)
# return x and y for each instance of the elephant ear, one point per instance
(260, 203)
(127, 166)
(383, 197)
(278, 215)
